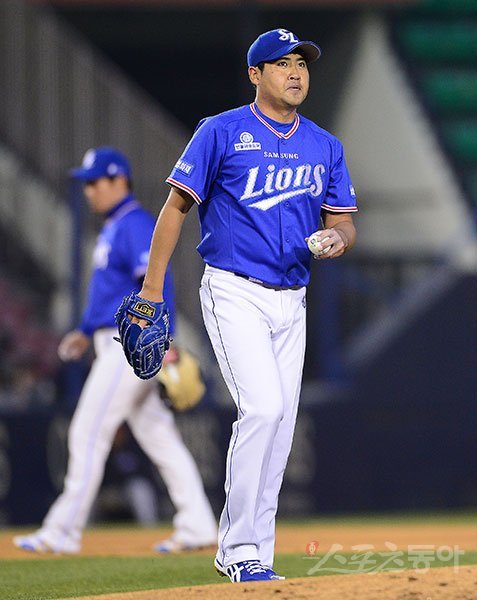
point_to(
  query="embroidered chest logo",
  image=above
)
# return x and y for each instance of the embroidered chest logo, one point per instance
(270, 188)
(247, 143)
(101, 255)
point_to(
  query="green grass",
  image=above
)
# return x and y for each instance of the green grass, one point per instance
(62, 577)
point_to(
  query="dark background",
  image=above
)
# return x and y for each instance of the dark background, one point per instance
(193, 61)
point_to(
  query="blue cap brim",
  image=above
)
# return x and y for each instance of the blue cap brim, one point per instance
(311, 52)
(86, 174)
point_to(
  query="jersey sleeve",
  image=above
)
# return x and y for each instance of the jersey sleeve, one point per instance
(340, 195)
(197, 167)
(85, 325)
(137, 232)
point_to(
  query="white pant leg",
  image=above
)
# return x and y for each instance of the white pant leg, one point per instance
(153, 426)
(108, 394)
(240, 318)
(289, 349)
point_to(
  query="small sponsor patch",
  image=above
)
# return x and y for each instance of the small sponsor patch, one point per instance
(184, 167)
(145, 309)
(351, 190)
(247, 143)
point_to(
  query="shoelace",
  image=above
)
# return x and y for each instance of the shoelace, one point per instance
(253, 566)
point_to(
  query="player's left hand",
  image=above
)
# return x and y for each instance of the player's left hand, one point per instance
(333, 243)
(144, 347)
(73, 345)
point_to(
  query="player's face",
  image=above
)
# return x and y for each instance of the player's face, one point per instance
(104, 193)
(283, 83)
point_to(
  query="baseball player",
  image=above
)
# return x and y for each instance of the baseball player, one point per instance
(262, 176)
(112, 393)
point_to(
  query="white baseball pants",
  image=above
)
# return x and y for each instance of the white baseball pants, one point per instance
(258, 336)
(111, 395)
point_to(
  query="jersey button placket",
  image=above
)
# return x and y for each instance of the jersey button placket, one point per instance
(284, 208)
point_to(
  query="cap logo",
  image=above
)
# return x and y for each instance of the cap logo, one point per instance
(287, 36)
(89, 158)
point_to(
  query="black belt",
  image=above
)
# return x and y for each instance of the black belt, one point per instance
(269, 286)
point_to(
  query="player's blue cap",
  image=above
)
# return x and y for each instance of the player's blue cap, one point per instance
(102, 162)
(274, 44)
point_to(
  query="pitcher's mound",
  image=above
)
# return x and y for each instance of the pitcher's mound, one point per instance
(435, 584)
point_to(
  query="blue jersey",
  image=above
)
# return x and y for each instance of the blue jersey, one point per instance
(261, 186)
(119, 263)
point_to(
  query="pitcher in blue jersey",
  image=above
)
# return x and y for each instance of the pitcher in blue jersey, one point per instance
(112, 393)
(262, 176)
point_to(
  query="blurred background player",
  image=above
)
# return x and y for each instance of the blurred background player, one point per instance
(112, 394)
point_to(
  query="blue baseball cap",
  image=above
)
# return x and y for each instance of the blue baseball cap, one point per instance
(102, 162)
(274, 44)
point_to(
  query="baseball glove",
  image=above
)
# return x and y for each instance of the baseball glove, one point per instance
(182, 381)
(144, 348)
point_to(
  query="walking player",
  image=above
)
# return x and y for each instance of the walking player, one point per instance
(262, 177)
(112, 393)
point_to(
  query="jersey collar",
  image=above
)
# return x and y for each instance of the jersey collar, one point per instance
(285, 136)
(126, 205)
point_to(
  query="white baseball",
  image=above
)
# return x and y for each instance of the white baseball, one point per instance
(315, 244)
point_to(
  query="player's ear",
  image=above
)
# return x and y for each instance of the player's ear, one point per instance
(254, 75)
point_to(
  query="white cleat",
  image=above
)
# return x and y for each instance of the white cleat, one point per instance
(34, 543)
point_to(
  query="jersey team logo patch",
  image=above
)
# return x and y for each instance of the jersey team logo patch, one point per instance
(247, 143)
(145, 309)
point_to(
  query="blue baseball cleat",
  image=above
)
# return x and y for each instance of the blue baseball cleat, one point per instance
(247, 570)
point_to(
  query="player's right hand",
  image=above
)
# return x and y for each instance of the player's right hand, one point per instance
(73, 345)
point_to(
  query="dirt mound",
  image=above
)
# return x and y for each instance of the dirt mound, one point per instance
(436, 584)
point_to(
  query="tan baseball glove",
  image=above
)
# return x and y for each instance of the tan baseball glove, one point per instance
(181, 379)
